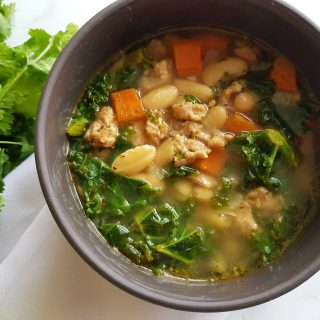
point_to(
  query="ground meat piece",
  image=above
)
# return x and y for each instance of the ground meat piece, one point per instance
(103, 131)
(234, 88)
(216, 139)
(244, 218)
(156, 127)
(262, 199)
(187, 150)
(185, 128)
(161, 74)
(189, 111)
(156, 50)
(190, 128)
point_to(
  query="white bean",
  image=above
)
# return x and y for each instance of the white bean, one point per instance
(202, 194)
(160, 98)
(227, 69)
(203, 180)
(164, 153)
(220, 220)
(245, 101)
(199, 90)
(134, 160)
(216, 117)
(139, 137)
(151, 179)
(183, 189)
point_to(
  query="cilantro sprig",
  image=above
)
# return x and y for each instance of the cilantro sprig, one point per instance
(23, 72)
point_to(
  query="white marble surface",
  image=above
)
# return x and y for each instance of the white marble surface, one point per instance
(41, 277)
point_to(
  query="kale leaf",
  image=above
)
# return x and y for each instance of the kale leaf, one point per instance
(125, 78)
(257, 83)
(222, 196)
(131, 245)
(96, 94)
(158, 223)
(260, 151)
(131, 216)
(178, 172)
(122, 144)
(106, 192)
(185, 248)
(275, 233)
(266, 114)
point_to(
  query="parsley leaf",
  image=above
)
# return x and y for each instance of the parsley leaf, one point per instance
(23, 72)
(6, 12)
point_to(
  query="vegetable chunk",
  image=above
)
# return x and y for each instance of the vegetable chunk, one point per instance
(284, 75)
(214, 163)
(187, 56)
(238, 123)
(127, 105)
(215, 41)
(260, 151)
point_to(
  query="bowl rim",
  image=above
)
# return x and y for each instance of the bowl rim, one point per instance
(72, 237)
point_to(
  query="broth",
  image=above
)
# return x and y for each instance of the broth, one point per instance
(192, 154)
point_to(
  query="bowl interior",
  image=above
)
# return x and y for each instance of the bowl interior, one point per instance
(116, 27)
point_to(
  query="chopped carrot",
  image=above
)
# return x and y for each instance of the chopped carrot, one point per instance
(237, 123)
(127, 106)
(284, 75)
(214, 163)
(187, 57)
(215, 41)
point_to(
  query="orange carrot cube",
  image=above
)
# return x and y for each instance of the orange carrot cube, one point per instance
(215, 162)
(284, 75)
(238, 123)
(127, 106)
(187, 57)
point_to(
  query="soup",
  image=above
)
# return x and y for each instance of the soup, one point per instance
(193, 154)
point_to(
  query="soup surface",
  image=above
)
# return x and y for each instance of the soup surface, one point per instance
(193, 154)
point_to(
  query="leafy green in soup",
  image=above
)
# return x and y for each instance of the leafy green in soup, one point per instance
(193, 154)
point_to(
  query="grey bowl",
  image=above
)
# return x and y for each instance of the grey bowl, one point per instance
(116, 27)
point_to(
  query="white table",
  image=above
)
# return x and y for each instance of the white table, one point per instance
(41, 277)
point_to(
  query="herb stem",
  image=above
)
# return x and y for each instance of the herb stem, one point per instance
(11, 142)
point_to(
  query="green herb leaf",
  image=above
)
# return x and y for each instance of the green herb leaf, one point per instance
(192, 99)
(184, 249)
(222, 196)
(178, 172)
(6, 13)
(257, 83)
(266, 114)
(122, 144)
(275, 233)
(260, 151)
(23, 72)
(157, 224)
(106, 192)
(218, 89)
(27, 73)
